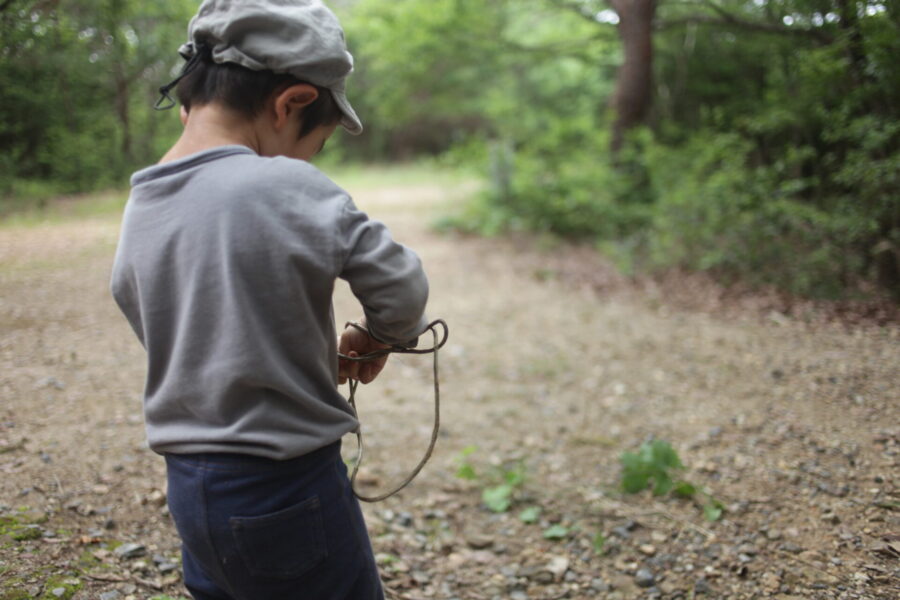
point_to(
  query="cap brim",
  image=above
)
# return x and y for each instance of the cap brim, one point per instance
(350, 121)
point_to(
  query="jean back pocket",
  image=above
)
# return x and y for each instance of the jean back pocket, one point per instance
(282, 545)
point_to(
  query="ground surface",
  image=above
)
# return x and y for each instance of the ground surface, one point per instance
(793, 427)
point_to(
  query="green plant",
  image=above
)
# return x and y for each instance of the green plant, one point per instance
(654, 464)
(556, 532)
(598, 543)
(498, 498)
(465, 469)
(530, 515)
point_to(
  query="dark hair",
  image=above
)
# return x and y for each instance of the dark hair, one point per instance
(246, 91)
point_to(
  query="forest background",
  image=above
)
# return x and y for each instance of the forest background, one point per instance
(756, 140)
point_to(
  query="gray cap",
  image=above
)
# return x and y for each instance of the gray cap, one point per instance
(299, 37)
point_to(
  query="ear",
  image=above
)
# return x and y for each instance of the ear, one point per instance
(292, 100)
(183, 113)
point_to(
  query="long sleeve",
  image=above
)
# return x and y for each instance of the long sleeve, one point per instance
(385, 276)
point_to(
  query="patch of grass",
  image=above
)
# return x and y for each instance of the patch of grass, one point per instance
(14, 593)
(65, 208)
(88, 560)
(399, 174)
(22, 526)
(69, 585)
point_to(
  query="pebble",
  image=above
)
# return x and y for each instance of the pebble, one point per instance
(558, 565)
(168, 567)
(701, 586)
(113, 595)
(130, 551)
(644, 578)
(748, 549)
(479, 541)
(598, 585)
(58, 592)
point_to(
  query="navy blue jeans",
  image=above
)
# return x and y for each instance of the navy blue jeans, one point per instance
(260, 529)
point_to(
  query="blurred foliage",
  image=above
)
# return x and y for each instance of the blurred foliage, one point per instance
(77, 80)
(771, 153)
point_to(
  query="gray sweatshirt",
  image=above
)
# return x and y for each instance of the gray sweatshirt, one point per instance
(225, 270)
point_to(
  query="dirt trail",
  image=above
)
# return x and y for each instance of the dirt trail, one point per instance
(794, 429)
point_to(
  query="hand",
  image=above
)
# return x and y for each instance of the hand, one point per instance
(354, 342)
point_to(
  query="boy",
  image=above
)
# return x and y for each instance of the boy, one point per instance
(229, 251)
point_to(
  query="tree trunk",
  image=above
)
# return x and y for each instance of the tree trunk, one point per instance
(123, 112)
(634, 82)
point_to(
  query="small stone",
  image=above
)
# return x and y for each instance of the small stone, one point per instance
(748, 549)
(167, 567)
(644, 578)
(558, 565)
(701, 586)
(155, 498)
(130, 551)
(770, 582)
(543, 576)
(598, 585)
(58, 592)
(773, 535)
(479, 541)
(831, 518)
(648, 549)
(113, 595)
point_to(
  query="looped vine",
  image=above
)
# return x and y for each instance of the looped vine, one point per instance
(439, 340)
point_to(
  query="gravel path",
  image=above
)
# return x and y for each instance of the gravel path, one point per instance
(794, 429)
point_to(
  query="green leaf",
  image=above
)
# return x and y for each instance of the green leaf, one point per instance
(663, 483)
(634, 482)
(598, 543)
(498, 498)
(530, 514)
(664, 456)
(466, 471)
(713, 509)
(684, 489)
(556, 532)
(515, 477)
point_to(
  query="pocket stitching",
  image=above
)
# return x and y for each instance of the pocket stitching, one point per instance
(312, 506)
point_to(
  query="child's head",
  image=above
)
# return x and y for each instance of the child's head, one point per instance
(244, 54)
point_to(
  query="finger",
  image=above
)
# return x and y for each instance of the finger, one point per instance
(353, 371)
